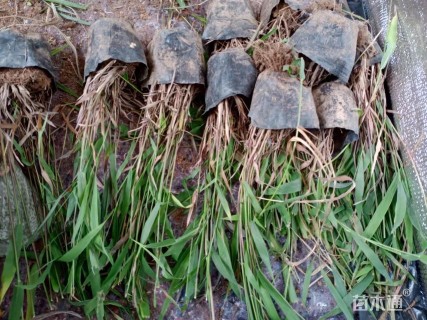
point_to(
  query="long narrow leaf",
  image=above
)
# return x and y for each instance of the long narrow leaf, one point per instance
(390, 42)
(261, 247)
(77, 249)
(338, 298)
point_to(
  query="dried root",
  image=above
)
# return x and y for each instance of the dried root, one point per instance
(164, 121)
(106, 100)
(23, 96)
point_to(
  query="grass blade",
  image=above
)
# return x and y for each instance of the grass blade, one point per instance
(76, 250)
(390, 42)
(278, 298)
(16, 307)
(226, 272)
(269, 305)
(9, 266)
(75, 19)
(358, 290)
(381, 210)
(371, 255)
(148, 226)
(400, 208)
(286, 188)
(306, 283)
(70, 4)
(338, 298)
(251, 195)
(261, 247)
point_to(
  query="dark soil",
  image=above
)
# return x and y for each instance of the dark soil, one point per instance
(34, 79)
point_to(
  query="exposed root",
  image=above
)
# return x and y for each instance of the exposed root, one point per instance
(162, 126)
(272, 55)
(21, 116)
(23, 141)
(35, 80)
(164, 121)
(363, 85)
(286, 21)
(219, 46)
(227, 122)
(325, 5)
(105, 100)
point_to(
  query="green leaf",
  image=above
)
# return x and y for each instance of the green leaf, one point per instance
(302, 70)
(250, 277)
(268, 304)
(409, 233)
(115, 270)
(364, 271)
(67, 90)
(371, 255)
(58, 50)
(31, 294)
(77, 249)
(75, 19)
(338, 298)
(278, 298)
(381, 210)
(400, 208)
(223, 201)
(226, 272)
(178, 203)
(9, 266)
(148, 226)
(269, 34)
(224, 256)
(70, 4)
(357, 290)
(17, 305)
(306, 283)
(181, 3)
(161, 262)
(22, 155)
(94, 212)
(196, 124)
(261, 247)
(251, 195)
(39, 280)
(360, 186)
(290, 287)
(339, 282)
(286, 188)
(390, 42)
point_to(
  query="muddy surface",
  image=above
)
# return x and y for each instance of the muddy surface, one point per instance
(335, 50)
(272, 56)
(177, 56)
(312, 5)
(34, 79)
(276, 103)
(18, 50)
(229, 20)
(230, 73)
(114, 39)
(337, 108)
